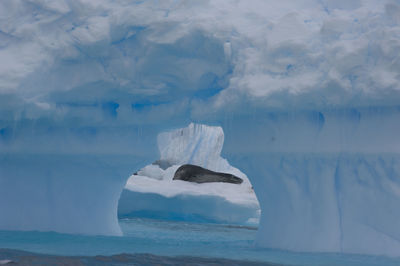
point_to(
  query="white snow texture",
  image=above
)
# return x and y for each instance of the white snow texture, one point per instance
(307, 94)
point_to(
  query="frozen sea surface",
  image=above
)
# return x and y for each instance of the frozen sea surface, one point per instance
(171, 238)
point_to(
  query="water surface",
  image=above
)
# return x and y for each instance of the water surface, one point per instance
(172, 238)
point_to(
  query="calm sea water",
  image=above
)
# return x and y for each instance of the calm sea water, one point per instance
(171, 238)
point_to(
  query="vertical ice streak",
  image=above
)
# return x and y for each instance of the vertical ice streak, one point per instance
(338, 202)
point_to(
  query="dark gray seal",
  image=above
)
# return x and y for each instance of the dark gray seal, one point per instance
(197, 174)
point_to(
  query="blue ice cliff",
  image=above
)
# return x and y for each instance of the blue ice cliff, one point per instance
(307, 94)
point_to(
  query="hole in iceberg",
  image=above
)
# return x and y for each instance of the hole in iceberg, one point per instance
(191, 182)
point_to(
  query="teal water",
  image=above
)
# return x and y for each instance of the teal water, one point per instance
(171, 238)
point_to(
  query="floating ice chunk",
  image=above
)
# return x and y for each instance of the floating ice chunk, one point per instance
(153, 190)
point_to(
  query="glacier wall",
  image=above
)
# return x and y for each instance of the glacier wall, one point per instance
(307, 94)
(67, 193)
(326, 181)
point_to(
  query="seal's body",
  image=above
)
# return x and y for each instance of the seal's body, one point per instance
(194, 173)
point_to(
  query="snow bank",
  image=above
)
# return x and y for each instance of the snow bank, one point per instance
(188, 203)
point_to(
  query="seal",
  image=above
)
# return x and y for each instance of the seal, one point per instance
(197, 174)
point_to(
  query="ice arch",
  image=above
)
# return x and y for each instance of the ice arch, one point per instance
(322, 184)
(308, 100)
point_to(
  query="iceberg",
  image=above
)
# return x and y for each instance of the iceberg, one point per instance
(306, 93)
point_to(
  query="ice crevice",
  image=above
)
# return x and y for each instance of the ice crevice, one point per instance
(339, 208)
